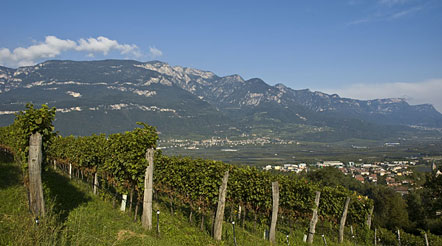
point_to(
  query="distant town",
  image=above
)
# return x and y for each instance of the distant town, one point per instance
(217, 141)
(395, 174)
(243, 139)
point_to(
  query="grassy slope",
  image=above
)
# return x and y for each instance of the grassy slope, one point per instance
(76, 217)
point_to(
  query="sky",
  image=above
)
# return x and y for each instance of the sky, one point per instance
(362, 49)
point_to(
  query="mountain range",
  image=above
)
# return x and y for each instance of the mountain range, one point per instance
(111, 95)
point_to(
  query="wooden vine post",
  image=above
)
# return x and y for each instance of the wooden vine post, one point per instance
(343, 219)
(275, 196)
(370, 217)
(36, 201)
(218, 226)
(146, 218)
(314, 220)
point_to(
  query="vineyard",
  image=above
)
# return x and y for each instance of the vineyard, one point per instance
(115, 166)
(119, 162)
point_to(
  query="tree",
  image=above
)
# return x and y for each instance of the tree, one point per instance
(390, 209)
(433, 200)
(28, 122)
(417, 209)
(331, 176)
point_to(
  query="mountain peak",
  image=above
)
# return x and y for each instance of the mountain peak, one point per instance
(178, 93)
(234, 77)
(256, 81)
(157, 62)
(281, 86)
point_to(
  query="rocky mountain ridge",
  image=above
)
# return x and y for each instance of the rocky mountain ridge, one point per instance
(194, 101)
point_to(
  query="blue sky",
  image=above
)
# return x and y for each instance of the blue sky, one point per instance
(356, 48)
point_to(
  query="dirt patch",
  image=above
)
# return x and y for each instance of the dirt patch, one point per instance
(125, 234)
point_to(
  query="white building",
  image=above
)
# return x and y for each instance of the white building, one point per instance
(333, 164)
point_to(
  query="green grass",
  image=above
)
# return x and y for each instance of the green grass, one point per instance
(17, 226)
(76, 217)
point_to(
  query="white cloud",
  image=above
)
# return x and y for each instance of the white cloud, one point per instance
(390, 16)
(104, 45)
(53, 46)
(429, 91)
(360, 21)
(389, 10)
(393, 2)
(405, 12)
(154, 52)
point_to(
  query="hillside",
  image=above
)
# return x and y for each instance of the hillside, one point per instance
(76, 217)
(109, 96)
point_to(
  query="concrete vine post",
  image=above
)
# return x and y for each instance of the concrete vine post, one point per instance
(146, 218)
(314, 220)
(95, 183)
(324, 240)
(234, 235)
(70, 170)
(36, 201)
(375, 239)
(275, 196)
(239, 212)
(351, 231)
(123, 203)
(343, 219)
(158, 222)
(218, 226)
